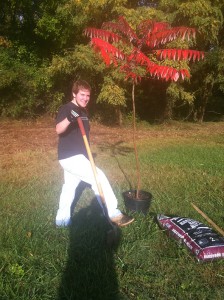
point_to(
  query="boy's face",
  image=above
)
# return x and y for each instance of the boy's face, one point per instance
(82, 98)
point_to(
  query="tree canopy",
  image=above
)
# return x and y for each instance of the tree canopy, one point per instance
(43, 50)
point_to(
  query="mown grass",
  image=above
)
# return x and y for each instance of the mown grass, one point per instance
(40, 261)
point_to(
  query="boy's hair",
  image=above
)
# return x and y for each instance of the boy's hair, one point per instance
(79, 85)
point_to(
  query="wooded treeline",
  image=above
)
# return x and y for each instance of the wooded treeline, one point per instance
(43, 50)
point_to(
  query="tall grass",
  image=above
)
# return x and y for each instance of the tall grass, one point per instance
(40, 261)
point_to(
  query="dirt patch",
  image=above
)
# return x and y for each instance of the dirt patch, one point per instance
(19, 136)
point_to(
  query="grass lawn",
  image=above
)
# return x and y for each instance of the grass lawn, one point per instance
(180, 163)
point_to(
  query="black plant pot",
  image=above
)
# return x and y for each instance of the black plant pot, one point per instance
(134, 204)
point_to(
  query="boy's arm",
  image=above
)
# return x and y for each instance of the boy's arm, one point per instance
(62, 126)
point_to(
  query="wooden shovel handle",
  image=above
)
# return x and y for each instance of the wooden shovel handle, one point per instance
(208, 219)
(82, 129)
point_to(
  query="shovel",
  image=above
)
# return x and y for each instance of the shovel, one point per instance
(112, 234)
(208, 219)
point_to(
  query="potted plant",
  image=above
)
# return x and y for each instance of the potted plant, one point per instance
(137, 54)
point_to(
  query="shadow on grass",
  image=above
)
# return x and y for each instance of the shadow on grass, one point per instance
(117, 149)
(90, 272)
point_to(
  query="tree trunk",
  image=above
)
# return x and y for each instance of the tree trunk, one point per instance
(134, 141)
(206, 93)
(168, 109)
(201, 112)
(118, 113)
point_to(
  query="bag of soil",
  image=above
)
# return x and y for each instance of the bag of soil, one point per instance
(200, 239)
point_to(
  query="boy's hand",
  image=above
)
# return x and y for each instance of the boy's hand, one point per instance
(72, 116)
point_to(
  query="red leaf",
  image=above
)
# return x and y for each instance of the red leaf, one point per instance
(184, 73)
(102, 34)
(167, 34)
(160, 26)
(194, 55)
(145, 27)
(190, 54)
(173, 54)
(179, 54)
(105, 56)
(169, 74)
(163, 71)
(107, 47)
(159, 53)
(123, 27)
(139, 58)
(164, 54)
(175, 76)
(185, 54)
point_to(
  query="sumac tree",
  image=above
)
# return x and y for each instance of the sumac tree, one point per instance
(138, 53)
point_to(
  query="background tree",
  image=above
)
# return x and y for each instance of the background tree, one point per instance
(207, 17)
(48, 51)
(24, 84)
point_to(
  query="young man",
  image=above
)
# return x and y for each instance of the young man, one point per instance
(73, 158)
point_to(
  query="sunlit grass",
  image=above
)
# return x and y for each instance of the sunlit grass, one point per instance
(40, 261)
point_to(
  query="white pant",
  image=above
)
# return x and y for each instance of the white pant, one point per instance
(76, 169)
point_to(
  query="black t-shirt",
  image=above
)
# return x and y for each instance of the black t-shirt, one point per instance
(71, 142)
